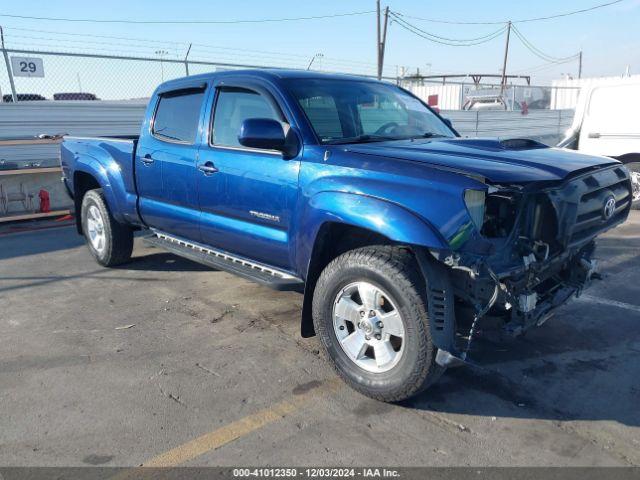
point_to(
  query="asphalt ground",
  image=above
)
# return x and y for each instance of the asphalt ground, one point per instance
(164, 362)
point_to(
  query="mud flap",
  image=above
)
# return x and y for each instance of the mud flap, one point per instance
(440, 304)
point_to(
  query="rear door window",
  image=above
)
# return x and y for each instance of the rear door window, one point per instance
(178, 116)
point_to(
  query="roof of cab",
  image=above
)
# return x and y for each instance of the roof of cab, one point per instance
(270, 74)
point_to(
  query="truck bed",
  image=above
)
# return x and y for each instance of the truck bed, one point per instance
(113, 158)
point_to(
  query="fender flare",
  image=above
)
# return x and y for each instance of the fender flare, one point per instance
(377, 215)
(370, 213)
(112, 188)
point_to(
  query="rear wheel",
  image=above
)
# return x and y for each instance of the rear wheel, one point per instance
(110, 242)
(634, 168)
(370, 313)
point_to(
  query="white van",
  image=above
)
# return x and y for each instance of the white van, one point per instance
(607, 122)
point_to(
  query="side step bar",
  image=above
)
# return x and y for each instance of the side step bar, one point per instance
(257, 272)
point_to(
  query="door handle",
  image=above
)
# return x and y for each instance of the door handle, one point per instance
(594, 135)
(208, 168)
(147, 160)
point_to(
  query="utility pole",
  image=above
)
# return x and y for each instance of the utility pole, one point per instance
(382, 37)
(378, 36)
(14, 95)
(580, 65)
(506, 55)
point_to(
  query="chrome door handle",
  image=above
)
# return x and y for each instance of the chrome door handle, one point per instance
(594, 135)
(147, 160)
(207, 168)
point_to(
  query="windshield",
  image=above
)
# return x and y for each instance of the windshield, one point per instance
(350, 111)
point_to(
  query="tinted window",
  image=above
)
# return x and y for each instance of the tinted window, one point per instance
(233, 107)
(344, 111)
(178, 115)
(322, 112)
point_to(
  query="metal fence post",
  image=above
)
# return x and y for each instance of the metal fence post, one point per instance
(186, 62)
(560, 133)
(14, 95)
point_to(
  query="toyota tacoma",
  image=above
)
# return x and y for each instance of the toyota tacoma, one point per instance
(402, 236)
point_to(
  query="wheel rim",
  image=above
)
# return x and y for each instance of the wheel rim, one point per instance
(369, 327)
(95, 229)
(635, 186)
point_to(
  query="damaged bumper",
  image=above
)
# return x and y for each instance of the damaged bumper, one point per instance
(537, 253)
(511, 303)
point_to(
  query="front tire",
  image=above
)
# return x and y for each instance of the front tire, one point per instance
(370, 313)
(110, 242)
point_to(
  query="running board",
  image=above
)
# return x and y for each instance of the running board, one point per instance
(257, 272)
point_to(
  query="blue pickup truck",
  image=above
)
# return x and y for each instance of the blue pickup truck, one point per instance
(403, 237)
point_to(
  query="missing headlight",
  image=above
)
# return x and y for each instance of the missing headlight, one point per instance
(500, 215)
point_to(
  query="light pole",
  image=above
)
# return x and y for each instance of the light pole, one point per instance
(161, 54)
(316, 56)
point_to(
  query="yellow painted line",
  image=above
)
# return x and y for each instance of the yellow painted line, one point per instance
(235, 430)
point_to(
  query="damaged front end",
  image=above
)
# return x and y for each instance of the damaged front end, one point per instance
(533, 252)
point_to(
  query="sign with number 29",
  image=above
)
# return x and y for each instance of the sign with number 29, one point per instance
(27, 67)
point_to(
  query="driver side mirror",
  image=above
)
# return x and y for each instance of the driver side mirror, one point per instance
(263, 133)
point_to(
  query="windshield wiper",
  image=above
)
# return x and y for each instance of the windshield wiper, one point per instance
(430, 135)
(361, 139)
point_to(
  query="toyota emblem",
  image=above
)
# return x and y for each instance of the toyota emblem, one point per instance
(609, 207)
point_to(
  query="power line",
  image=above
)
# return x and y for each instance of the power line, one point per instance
(446, 41)
(539, 68)
(539, 53)
(522, 20)
(172, 45)
(188, 22)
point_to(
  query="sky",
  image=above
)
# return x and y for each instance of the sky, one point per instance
(608, 37)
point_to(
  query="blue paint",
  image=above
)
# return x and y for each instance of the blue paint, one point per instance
(270, 206)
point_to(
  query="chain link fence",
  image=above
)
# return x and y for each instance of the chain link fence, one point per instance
(28, 75)
(49, 75)
(41, 75)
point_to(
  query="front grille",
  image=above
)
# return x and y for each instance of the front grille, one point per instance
(590, 196)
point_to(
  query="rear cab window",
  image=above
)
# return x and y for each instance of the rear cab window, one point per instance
(177, 116)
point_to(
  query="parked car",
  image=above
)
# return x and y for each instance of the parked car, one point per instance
(23, 97)
(489, 101)
(607, 122)
(512, 98)
(74, 96)
(401, 235)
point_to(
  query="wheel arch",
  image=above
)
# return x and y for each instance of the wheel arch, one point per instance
(82, 183)
(331, 217)
(90, 174)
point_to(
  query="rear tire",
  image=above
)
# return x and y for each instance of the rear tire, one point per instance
(634, 168)
(109, 241)
(390, 276)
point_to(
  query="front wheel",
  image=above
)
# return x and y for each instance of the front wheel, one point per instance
(110, 242)
(634, 169)
(370, 313)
